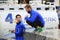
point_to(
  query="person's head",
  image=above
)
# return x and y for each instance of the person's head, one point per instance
(28, 8)
(18, 18)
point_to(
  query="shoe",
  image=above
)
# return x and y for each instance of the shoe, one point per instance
(40, 30)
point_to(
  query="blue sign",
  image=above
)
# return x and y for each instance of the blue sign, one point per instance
(9, 18)
(50, 19)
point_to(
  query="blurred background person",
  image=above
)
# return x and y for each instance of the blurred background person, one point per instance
(23, 1)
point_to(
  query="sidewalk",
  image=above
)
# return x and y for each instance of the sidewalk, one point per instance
(31, 36)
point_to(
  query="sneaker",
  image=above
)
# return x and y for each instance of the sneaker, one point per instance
(35, 30)
(40, 30)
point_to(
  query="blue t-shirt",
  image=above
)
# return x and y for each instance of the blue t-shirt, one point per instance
(19, 30)
(35, 16)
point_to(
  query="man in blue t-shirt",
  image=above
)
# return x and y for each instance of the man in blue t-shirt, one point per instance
(35, 19)
(19, 29)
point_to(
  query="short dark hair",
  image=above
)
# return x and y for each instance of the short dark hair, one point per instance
(18, 15)
(28, 6)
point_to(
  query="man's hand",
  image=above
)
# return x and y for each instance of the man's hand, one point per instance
(26, 16)
(12, 31)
